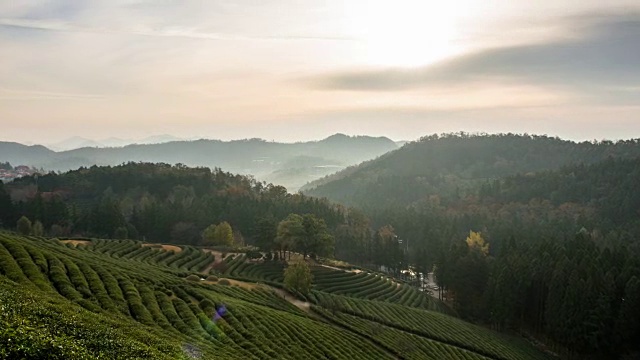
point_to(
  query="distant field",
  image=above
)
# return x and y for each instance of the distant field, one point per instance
(125, 299)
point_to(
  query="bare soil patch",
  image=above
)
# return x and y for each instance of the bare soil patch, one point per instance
(302, 305)
(355, 271)
(175, 249)
(76, 242)
(217, 259)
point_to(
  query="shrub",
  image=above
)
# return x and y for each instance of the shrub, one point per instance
(193, 277)
(97, 287)
(9, 268)
(77, 278)
(169, 312)
(138, 310)
(23, 259)
(212, 278)
(224, 282)
(149, 301)
(24, 226)
(58, 276)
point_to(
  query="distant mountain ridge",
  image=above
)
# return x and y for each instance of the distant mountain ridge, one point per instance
(291, 164)
(77, 142)
(447, 165)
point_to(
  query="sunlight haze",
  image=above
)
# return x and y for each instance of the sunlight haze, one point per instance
(289, 71)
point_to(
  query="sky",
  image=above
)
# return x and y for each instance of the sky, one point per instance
(292, 70)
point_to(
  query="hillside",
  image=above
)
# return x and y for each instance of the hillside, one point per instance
(515, 228)
(291, 164)
(448, 166)
(154, 201)
(123, 299)
(19, 154)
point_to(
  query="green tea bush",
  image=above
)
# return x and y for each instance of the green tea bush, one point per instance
(58, 275)
(22, 257)
(193, 277)
(77, 278)
(97, 287)
(9, 267)
(132, 296)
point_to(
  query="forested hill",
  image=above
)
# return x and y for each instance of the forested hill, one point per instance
(449, 165)
(287, 164)
(157, 202)
(551, 230)
(611, 188)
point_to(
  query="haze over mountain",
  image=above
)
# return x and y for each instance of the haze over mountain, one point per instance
(288, 164)
(78, 142)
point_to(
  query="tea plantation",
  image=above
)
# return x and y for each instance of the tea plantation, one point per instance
(122, 299)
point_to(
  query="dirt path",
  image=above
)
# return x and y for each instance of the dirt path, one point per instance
(356, 271)
(217, 259)
(302, 305)
(76, 242)
(175, 249)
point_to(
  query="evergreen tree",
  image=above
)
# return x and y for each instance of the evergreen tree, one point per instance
(37, 229)
(24, 226)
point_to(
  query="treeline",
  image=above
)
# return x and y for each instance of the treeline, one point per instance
(156, 202)
(577, 294)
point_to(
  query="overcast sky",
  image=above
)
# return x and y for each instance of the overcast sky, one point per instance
(293, 70)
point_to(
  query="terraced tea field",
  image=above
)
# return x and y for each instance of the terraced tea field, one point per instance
(124, 299)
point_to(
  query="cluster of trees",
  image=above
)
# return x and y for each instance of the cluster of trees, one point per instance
(5, 166)
(307, 234)
(155, 202)
(580, 294)
(218, 235)
(25, 227)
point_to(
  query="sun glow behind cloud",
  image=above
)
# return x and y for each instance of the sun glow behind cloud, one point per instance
(405, 32)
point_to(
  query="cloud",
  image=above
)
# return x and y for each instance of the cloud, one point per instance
(604, 58)
(178, 32)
